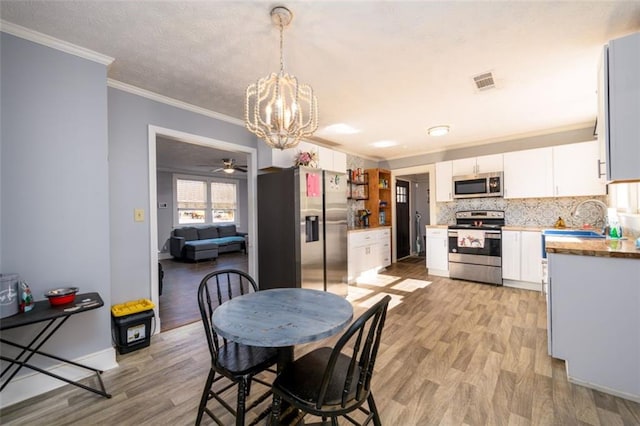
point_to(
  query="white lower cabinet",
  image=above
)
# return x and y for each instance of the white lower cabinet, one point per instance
(437, 251)
(368, 252)
(522, 259)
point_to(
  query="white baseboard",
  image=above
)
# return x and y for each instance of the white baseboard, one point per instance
(438, 272)
(614, 392)
(525, 285)
(164, 256)
(34, 383)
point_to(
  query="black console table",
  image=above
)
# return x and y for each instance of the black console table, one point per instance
(53, 317)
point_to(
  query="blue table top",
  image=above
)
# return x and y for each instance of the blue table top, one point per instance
(282, 317)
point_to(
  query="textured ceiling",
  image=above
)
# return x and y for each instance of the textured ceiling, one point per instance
(388, 68)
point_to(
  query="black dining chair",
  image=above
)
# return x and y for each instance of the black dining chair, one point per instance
(333, 382)
(236, 362)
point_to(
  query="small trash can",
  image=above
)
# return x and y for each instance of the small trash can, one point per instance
(131, 325)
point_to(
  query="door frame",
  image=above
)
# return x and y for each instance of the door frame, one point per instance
(252, 199)
(426, 168)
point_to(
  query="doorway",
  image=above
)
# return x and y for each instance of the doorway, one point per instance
(251, 199)
(403, 239)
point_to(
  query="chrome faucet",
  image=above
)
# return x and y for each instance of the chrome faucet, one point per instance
(603, 219)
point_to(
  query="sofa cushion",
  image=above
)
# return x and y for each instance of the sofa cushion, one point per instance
(223, 241)
(207, 233)
(201, 245)
(188, 233)
(227, 231)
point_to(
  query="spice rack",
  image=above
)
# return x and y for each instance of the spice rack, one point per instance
(358, 185)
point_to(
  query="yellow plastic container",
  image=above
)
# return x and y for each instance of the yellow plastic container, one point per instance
(132, 307)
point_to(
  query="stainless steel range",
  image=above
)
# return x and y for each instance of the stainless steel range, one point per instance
(475, 246)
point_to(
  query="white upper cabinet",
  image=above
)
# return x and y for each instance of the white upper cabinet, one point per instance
(619, 104)
(444, 183)
(475, 165)
(576, 170)
(528, 173)
(328, 159)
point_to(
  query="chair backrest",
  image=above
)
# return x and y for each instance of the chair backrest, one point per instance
(215, 289)
(363, 340)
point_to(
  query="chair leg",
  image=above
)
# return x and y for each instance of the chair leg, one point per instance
(374, 410)
(242, 395)
(275, 410)
(205, 396)
(334, 421)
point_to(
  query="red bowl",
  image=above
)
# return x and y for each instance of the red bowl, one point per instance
(62, 296)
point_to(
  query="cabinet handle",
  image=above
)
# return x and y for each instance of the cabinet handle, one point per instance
(600, 164)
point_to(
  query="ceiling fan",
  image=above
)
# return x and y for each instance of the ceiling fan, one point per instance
(229, 166)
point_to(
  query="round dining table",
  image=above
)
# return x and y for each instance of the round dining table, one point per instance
(282, 317)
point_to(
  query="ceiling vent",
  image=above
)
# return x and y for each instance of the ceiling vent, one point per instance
(484, 81)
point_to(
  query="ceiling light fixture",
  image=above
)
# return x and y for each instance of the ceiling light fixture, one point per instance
(229, 170)
(278, 109)
(438, 130)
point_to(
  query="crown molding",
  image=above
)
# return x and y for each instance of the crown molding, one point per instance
(115, 84)
(54, 43)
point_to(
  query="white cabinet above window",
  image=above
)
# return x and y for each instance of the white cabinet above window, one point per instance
(576, 170)
(619, 108)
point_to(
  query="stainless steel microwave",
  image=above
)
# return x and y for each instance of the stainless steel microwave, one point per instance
(476, 186)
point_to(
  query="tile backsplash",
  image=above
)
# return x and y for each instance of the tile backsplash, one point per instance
(541, 212)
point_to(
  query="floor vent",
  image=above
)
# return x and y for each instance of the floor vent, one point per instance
(484, 81)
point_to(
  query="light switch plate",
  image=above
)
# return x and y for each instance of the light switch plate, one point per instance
(138, 215)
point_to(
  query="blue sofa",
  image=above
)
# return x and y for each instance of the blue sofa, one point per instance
(198, 243)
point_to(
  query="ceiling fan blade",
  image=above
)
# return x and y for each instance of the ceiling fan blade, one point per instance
(219, 169)
(242, 169)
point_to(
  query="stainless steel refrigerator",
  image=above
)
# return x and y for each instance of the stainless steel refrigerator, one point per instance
(302, 230)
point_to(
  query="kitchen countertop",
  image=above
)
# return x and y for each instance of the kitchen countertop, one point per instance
(370, 228)
(604, 247)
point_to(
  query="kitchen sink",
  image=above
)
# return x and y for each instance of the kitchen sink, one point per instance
(576, 233)
(580, 233)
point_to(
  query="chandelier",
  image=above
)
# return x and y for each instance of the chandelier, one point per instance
(279, 109)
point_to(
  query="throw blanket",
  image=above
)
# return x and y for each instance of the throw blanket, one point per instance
(471, 238)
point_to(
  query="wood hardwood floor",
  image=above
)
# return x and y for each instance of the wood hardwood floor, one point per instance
(180, 286)
(453, 353)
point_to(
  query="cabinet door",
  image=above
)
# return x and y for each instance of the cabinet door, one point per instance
(624, 108)
(531, 256)
(511, 255)
(576, 170)
(528, 173)
(489, 163)
(463, 167)
(325, 158)
(444, 182)
(437, 249)
(339, 162)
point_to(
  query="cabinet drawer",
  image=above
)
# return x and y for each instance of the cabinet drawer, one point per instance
(361, 239)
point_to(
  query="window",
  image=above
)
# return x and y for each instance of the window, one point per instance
(202, 200)
(625, 197)
(223, 202)
(192, 201)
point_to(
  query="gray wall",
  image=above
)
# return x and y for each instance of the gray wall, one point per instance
(54, 182)
(129, 118)
(559, 138)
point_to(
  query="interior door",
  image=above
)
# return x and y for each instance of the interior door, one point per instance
(403, 240)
